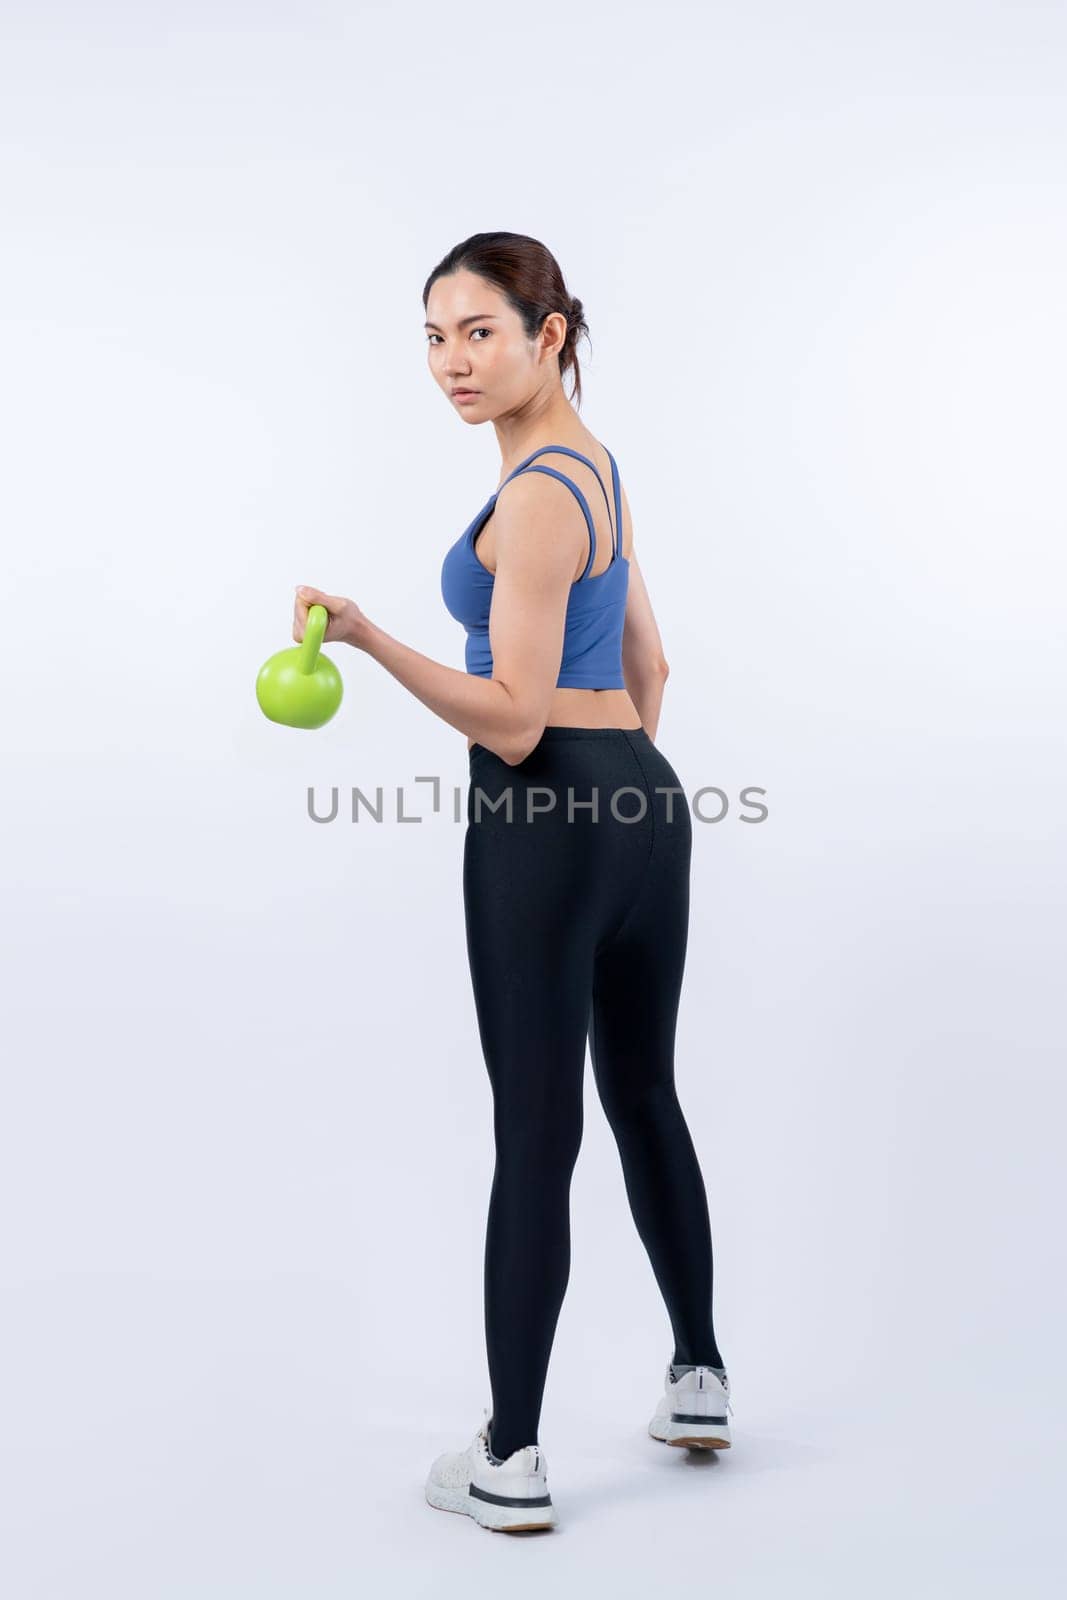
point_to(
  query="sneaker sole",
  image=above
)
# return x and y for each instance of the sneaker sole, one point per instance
(493, 1511)
(693, 1434)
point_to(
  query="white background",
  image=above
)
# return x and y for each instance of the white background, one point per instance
(246, 1137)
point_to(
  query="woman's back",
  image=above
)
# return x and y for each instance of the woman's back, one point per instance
(592, 648)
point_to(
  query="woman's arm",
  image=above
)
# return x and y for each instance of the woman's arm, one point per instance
(538, 547)
(644, 665)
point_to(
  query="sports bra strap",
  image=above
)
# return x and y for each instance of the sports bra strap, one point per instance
(617, 546)
(583, 502)
(524, 466)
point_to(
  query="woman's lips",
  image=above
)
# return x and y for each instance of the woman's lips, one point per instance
(459, 395)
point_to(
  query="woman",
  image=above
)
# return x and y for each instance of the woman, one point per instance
(576, 860)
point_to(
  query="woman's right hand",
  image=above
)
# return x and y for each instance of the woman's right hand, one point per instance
(343, 616)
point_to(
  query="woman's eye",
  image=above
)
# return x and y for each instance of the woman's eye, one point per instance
(432, 336)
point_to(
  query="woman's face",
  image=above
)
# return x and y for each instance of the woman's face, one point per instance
(475, 341)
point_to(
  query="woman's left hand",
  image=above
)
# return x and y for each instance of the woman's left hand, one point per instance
(344, 617)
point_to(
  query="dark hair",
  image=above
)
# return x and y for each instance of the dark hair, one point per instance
(528, 275)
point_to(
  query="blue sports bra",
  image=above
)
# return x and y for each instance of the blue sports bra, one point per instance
(596, 607)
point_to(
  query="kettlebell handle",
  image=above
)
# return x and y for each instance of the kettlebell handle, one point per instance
(310, 645)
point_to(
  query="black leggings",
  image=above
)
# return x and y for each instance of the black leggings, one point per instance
(577, 924)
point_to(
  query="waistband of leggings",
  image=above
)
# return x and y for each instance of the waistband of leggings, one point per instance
(557, 731)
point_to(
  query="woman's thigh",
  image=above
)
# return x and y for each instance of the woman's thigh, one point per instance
(638, 971)
(545, 879)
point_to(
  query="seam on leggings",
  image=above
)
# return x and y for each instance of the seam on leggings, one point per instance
(614, 934)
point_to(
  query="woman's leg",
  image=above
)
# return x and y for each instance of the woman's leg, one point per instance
(531, 957)
(637, 984)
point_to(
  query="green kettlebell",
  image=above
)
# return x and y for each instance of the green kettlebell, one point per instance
(299, 686)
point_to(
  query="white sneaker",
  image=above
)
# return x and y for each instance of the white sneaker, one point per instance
(693, 1410)
(509, 1498)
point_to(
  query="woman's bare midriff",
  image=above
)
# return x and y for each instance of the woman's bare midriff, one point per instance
(582, 708)
(589, 708)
